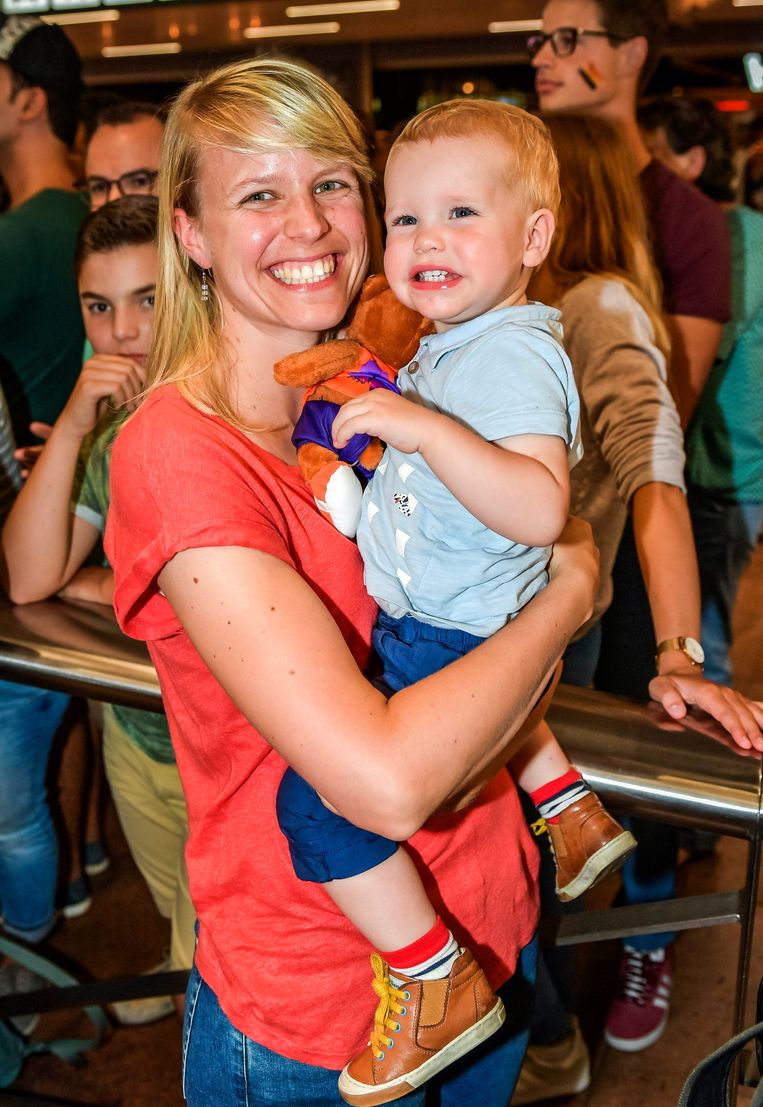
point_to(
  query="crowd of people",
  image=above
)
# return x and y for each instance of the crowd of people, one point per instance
(569, 324)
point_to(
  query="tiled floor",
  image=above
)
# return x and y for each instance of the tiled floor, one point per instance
(139, 1067)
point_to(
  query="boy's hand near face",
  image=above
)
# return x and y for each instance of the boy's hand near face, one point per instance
(106, 379)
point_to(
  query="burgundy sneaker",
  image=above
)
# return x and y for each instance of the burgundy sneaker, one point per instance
(639, 1012)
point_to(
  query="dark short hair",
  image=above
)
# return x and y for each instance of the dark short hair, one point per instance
(688, 123)
(63, 107)
(120, 113)
(636, 18)
(39, 55)
(129, 221)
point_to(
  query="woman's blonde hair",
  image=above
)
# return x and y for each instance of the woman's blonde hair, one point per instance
(602, 228)
(532, 171)
(252, 106)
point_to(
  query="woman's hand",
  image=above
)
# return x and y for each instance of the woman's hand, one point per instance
(104, 378)
(576, 556)
(741, 717)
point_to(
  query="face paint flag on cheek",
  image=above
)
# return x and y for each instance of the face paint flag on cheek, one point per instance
(590, 75)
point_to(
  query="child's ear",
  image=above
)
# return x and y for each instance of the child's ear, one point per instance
(540, 231)
(191, 238)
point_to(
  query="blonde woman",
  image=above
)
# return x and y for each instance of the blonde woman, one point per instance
(254, 611)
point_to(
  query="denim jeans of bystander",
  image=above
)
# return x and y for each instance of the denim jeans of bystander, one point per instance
(29, 718)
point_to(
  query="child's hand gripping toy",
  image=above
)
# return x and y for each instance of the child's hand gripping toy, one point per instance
(334, 373)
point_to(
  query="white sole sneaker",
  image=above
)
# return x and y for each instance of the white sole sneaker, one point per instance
(361, 1095)
(606, 860)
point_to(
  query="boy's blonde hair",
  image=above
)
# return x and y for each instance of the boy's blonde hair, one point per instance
(532, 171)
(250, 107)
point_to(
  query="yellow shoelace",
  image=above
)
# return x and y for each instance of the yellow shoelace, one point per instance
(539, 827)
(390, 1003)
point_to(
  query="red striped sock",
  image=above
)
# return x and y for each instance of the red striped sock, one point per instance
(552, 798)
(430, 957)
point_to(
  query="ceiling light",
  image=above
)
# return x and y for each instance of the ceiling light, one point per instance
(507, 26)
(343, 7)
(65, 19)
(291, 29)
(143, 48)
(746, 3)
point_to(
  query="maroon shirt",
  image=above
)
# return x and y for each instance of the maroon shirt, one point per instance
(690, 239)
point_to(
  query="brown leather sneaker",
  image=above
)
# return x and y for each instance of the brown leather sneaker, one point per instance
(587, 844)
(419, 1029)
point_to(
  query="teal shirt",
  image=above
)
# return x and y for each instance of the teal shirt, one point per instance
(724, 445)
(41, 332)
(90, 501)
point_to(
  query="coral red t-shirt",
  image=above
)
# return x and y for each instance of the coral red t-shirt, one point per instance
(288, 969)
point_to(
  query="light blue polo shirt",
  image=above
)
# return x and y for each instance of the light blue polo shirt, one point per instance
(501, 374)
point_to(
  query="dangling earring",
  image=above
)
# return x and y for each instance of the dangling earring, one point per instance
(204, 287)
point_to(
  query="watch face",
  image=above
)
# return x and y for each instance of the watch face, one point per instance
(694, 650)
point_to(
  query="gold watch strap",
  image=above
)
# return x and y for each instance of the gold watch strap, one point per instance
(679, 645)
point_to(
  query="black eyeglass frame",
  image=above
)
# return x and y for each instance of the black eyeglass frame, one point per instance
(538, 39)
(103, 184)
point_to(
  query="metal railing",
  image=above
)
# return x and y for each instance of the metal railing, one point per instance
(639, 760)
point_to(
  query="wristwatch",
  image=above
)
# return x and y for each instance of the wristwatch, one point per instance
(689, 646)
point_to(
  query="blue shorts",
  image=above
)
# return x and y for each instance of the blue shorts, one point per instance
(324, 846)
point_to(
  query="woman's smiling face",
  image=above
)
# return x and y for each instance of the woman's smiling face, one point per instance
(284, 234)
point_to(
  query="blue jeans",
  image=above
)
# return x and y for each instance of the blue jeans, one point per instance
(224, 1068)
(29, 718)
(725, 534)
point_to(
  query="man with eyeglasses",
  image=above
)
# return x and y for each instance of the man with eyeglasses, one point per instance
(122, 157)
(596, 56)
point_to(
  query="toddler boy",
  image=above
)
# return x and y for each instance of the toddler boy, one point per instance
(456, 535)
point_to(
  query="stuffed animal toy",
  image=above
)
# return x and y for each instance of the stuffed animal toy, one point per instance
(335, 372)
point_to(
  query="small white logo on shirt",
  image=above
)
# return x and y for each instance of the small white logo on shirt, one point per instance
(404, 502)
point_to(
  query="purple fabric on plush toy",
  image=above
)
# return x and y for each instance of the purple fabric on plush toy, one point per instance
(317, 418)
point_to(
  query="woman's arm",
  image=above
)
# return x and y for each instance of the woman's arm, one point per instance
(634, 419)
(385, 765)
(668, 560)
(43, 543)
(665, 545)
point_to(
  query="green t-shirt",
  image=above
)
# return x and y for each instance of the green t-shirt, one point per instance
(90, 501)
(41, 331)
(724, 444)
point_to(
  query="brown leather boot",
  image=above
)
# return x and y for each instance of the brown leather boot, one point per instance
(419, 1029)
(587, 845)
